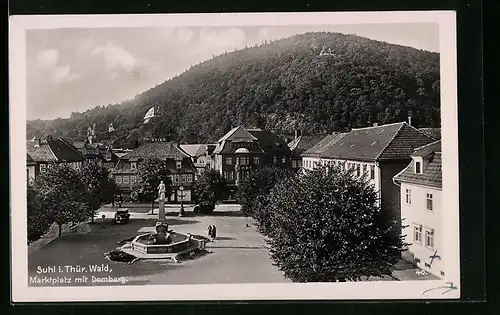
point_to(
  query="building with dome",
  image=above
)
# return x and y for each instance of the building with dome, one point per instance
(242, 149)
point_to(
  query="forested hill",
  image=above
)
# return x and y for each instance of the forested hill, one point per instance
(282, 85)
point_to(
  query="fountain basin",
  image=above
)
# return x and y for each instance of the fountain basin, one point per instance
(143, 246)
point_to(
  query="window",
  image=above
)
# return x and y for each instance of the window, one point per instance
(275, 160)
(372, 171)
(429, 238)
(118, 179)
(256, 160)
(125, 179)
(365, 169)
(229, 160)
(189, 178)
(171, 178)
(178, 164)
(132, 179)
(294, 163)
(418, 168)
(358, 169)
(408, 196)
(133, 165)
(429, 202)
(283, 160)
(183, 178)
(299, 163)
(43, 168)
(417, 234)
(176, 178)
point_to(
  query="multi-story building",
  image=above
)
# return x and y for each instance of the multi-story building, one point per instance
(200, 155)
(42, 153)
(378, 152)
(96, 151)
(312, 156)
(178, 162)
(241, 149)
(420, 184)
(300, 145)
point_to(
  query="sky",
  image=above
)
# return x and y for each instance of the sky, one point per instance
(73, 70)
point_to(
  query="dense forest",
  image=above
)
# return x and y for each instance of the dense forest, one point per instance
(314, 82)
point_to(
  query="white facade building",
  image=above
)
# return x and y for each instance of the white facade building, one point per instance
(421, 209)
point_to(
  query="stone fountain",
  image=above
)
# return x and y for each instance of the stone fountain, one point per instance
(162, 243)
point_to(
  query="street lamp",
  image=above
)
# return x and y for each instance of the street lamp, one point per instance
(181, 188)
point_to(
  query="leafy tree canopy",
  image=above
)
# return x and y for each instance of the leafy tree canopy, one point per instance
(150, 172)
(101, 186)
(259, 182)
(63, 194)
(329, 228)
(210, 186)
(39, 218)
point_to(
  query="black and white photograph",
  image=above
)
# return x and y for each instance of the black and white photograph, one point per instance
(238, 156)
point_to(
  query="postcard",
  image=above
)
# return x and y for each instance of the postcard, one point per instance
(242, 156)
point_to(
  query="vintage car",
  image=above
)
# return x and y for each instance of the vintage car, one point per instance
(205, 207)
(121, 217)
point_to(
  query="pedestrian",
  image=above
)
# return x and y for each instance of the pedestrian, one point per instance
(209, 231)
(121, 200)
(214, 232)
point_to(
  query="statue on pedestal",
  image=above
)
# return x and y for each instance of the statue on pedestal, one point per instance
(161, 191)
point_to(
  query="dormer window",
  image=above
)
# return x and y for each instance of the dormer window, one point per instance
(133, 165)
(178, 164)
(418, 168)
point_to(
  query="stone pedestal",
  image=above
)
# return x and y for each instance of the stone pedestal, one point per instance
(161, 211)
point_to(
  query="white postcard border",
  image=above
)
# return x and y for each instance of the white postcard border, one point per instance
(21, 292)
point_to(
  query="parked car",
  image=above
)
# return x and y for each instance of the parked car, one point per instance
(204, 207)
(121, 217)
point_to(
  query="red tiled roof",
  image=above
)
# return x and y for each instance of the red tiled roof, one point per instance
(391, 141)
(432, 174)
(324, 144)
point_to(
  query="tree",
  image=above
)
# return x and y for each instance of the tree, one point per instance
(39, 218)
(259, 182)
(150, 172)
(63, 194)
(326, 226)
(101, 187)
(210, 186)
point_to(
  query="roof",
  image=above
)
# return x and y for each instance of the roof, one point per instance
(58, 150)
(432, 132)
(238, 134)
(427, 149)
(29, 160)
(79, 144)
(268, 140)
(431, 174)
(385, 142)
(303, 143)
(324, 144)
(193, 149)
(159, 150)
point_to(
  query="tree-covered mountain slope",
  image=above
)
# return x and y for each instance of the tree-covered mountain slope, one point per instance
(314, 82)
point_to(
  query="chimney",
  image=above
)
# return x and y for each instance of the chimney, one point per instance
(295, 133)
(409, 120)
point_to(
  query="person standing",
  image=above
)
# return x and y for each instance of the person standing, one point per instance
(214, 232)
(209, 231)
